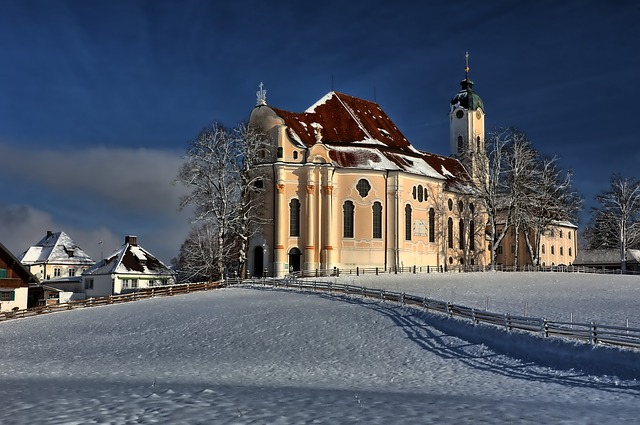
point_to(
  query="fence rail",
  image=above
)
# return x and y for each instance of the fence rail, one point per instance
(156, 291)
(457, 269)
(588, 332)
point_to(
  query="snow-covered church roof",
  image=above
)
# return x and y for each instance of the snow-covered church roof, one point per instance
(359, 134)
(56, 248)
(130, 258)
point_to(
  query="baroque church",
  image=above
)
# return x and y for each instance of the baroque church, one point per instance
(346, 189)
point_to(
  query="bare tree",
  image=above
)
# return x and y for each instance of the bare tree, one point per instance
(224, 191)
(616, 221)
(552, 200)
(493, 189)
(199, 254)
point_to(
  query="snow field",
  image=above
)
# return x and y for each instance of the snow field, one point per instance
(258, 355)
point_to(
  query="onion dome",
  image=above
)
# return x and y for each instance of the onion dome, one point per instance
(466, 97)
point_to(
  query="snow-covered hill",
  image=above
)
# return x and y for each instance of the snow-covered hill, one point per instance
(263, 356)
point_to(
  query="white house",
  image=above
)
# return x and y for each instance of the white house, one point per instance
(128, 269)
(56, 257)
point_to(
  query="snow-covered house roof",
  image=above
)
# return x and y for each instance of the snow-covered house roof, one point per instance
(605, 257)
(130, 258)
(17, 270)
(359, 134)
(56, 248)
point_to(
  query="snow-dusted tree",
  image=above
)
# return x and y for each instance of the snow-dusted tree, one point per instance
(522, 182)
(615, 223)
(224, 190)
(199, 254)
(493, 189)
(551, 200)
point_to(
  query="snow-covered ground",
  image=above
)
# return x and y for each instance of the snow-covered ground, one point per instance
(250, 355)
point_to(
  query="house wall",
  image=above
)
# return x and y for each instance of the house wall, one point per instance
(20, 299)
(558, 246)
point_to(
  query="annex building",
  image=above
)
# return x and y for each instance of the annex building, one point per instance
(345, 188)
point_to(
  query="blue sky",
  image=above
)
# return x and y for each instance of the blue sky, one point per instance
(99, 99)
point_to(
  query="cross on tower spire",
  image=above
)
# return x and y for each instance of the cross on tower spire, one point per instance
(466, 65)
(261, 95)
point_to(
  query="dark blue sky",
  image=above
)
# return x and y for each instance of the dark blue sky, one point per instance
(98, 99)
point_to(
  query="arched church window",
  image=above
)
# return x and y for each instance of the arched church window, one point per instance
(377, 220)
(295, 155)
(460, 206)
(450, 204)
(414, 192)
(347, 210)
(420, 193)
(450, 233)
(407, 222)
(472, 234)
(460, 144)
(543, 249)
(432, 225)
(363, 187)
(280, 154)
(294, 218)
(426, 194)
(461, 234)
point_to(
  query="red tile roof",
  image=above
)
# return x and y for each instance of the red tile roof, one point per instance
(361, 135)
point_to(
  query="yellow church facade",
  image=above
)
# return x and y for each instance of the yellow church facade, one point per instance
(344, 189)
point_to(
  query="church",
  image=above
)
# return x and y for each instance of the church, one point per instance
(344, 188)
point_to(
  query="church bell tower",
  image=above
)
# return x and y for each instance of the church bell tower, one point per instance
(466, 124)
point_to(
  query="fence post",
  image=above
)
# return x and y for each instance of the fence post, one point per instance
(376, 271)
(414, 269)
(402, 298)
(545, 327)
(473, 316)
(507, 321)
(450, 309)
(382, 295)
(594, 333)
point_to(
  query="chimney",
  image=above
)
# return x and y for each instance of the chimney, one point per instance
(49, 233)
(131, 240)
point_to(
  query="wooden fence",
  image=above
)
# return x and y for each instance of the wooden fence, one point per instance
(587, 332)
(156, 291)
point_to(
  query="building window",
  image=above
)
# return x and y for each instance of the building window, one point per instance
(407, 222)
(3, 273)
(472, 239)
(569, 251)
(499, 250)
(543, 249)
(414, 193)
(560, 234)
(513, 248)
(461, 234)
(88, 284)
(294, 218)
(450, 204)
(363, 187)
(420, 193)
(460, 144)
(280, 152)
(377, 220)
(295, 154)
(569, 234)
(72, 272)
(561, 251)
(56, 272)
(432, 225)
(347, 210)
(7, 295)
(426, 194)
(258, 184)
(450, 233)
(552, 250)
(460, 206)
(134, 283)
